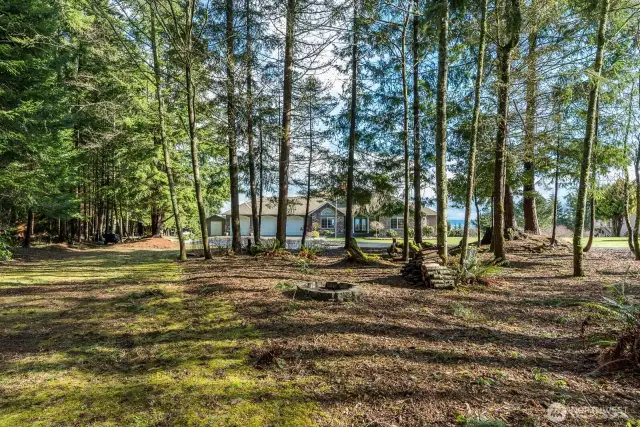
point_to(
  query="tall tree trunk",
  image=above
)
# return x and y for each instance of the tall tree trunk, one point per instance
(529, 190)
(123, 229)
(441, 130)
(479, 228)
(251, 153)
(348, 222)
(163, 140)
(592, 198)
(578, 255)
(417, 170)
(261, 189)
(636, 228)
(509, 211)
(285, 145)
(157, 218)
(616, 225)
(193, 137)
(501, 139)
(592, 219)
(471, 172)
(513, 22)
(555, 187)
(29, 230)
(405, 134)
(306, 211)
(626, 173)
(236, 239)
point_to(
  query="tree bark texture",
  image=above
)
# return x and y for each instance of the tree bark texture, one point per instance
(193, 136)
(441, 130)
(251, 152)
(348, 222)
(471, 172)
(529, 190)
(417, 170)
(285, 144)
(163, 139)
(578, 255)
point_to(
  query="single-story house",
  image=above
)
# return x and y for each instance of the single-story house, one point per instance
(323, 216)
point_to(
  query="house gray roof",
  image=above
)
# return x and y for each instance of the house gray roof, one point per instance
(297, 206)
(216, 217)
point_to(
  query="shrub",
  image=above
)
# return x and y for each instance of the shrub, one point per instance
(392, 233)
(268, 249)
(315, 226)
(455, 232)
(308, 253)
(474, 272)
(413, 246)
(376, 227)
(304, 266)
(626, 313)
(315, 234)
(327, 233)
(412, 233)
(427, 231)
(5, 249)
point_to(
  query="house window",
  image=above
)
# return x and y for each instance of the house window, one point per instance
(360, 225)
(327, 222)
(397, 223)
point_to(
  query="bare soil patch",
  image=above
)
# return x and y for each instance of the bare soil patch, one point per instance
(405, 355)
(151, 243)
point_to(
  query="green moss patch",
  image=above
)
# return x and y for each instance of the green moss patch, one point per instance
(112, 338)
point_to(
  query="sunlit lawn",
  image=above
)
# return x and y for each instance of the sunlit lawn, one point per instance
(598, 242)
(109, 337)
(451, 240)
(605, 242)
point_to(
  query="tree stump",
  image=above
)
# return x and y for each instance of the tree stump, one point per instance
(355, 254)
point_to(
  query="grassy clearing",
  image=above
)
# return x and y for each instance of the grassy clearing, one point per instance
(452, 241)
(606, 242)
(109, 337)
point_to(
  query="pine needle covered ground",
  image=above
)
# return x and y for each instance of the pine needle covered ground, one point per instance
(495, 355)
(126, 336)
(113, 337)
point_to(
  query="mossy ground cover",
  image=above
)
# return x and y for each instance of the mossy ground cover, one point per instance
(113, 337)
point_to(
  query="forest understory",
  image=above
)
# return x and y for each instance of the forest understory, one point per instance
(414, 356)
(125, 335)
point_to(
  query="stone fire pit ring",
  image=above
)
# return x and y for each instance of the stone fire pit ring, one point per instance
(328, 291)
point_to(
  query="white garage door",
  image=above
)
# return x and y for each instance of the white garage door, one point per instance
(244, 226)
(295, 225)
(215, 228)
(268, 226)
